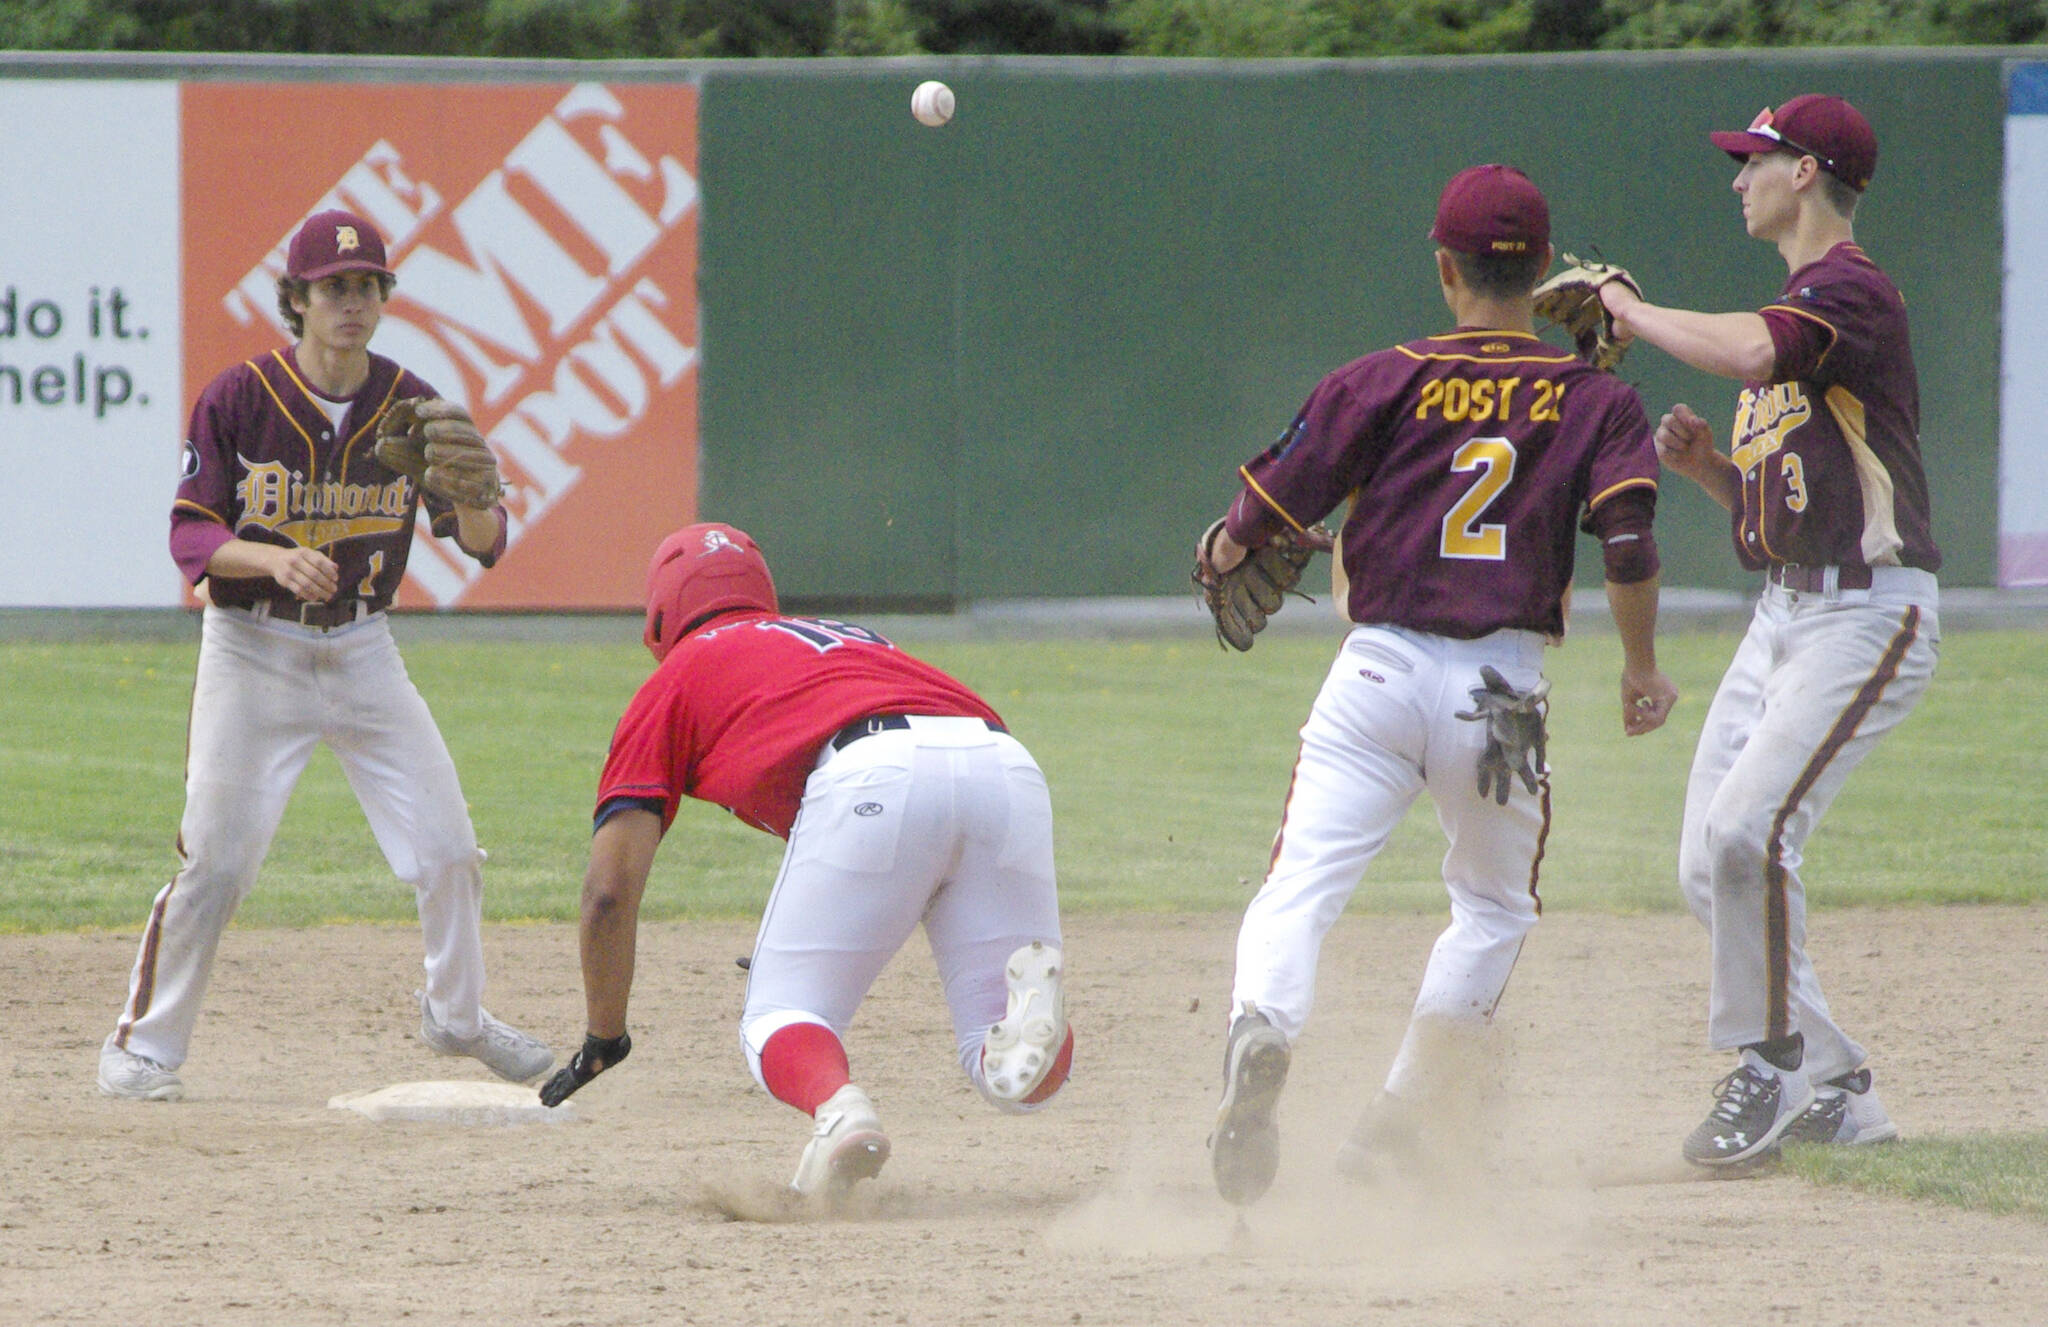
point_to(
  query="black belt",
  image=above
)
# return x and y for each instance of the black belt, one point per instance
(337, 614)
(884, 723)
(1813, 580)
(324, 617)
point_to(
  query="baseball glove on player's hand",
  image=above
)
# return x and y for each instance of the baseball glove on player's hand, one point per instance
(1571, 299)
(1514, 732)
(598, 1054)
(1242, 598)
(436, 443)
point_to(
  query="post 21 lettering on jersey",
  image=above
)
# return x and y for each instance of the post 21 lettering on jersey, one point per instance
(1453, 450)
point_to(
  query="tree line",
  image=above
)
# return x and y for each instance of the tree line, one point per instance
(697, 29)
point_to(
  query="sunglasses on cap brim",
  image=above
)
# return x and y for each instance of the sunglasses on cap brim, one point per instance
(1761, 127)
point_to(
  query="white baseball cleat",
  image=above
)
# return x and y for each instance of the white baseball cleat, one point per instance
(847, 1144)
(1845, 1111)
(125, 1074)
(504, 1050)
(1019, 1051)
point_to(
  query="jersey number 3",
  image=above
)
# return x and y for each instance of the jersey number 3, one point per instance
(1464, 536)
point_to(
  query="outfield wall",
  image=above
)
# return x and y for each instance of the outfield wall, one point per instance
(1018, 355)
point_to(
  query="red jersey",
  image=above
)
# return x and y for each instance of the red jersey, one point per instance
(1470, 461)
(737, 713)
(1829, 449)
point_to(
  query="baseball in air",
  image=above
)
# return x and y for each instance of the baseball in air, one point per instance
(932, 103)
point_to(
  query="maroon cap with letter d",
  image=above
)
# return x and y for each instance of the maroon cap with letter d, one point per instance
(1828, 129)
(333, 242)
(1492, 210)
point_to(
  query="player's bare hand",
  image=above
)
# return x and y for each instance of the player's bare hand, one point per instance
(307, 573)
(1620, 299)
(1646, 701)
(1217, 551)
(1685, 442)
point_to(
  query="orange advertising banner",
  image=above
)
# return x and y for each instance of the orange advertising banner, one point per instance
(545, 241)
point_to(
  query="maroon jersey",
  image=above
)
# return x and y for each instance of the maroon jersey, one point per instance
(264, 462)
(1829, 449)
(1469, 460)
(737, 713)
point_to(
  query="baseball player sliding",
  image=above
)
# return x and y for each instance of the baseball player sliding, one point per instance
(1470, 461)
(297, 528)
(1829, 500)
(903, 799)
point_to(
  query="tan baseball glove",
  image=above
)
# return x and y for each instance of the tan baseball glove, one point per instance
(1571, 300)
(1241, 599)
(437, 444)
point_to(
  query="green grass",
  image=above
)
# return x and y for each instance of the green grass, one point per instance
(2003, 1173)
(1167, 759)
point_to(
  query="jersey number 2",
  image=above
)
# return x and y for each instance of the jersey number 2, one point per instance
(1463, 534)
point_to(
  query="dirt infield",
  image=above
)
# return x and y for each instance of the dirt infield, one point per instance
(253, 1203)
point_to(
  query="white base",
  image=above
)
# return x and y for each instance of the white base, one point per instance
(453, 1103)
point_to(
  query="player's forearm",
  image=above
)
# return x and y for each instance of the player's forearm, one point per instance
(621, 852)
(1634, 606)
(1720, 479)
(240, 559)
(1732, 345)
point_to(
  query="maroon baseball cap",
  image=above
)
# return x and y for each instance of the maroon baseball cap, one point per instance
(1828, 129)
(333, 242)
(1492, 210)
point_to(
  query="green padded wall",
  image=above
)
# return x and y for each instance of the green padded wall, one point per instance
(1023, 354)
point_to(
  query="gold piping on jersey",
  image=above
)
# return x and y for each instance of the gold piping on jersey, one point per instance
(1612, 489)
(1881, 540)
(1812, 317)
(312, 455)
(1267, 498)
(1482, 333)
(1554, 358)
(207, 512)
(371, 422)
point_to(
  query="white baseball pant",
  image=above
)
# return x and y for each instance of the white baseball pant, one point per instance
(1816, 682)
(266, 691)
(946, 822)
(1384, 728)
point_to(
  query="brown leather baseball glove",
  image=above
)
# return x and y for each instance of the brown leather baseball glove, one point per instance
(1241, 599)
(439, 446)
(1571, 300)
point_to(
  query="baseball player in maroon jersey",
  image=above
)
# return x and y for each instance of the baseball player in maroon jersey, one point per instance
(1470, 460)
(298, 536)
(1829, 500)
(903, 799)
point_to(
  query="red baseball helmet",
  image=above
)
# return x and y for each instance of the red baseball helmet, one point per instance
(698, 571)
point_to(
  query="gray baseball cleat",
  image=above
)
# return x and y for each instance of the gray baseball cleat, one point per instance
(1244, 1151)
(1753, 1106)
(847, 1144)
(1845, 1111)
(134, 1077)
(504, 1050)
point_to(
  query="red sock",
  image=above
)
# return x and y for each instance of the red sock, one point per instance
(1057, 1075)
(804, 1064)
